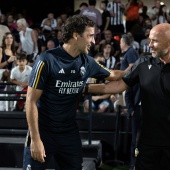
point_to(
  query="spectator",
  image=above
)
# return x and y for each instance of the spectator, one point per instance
(46, 27)
(59, 23)
(41, 40)
(8, 51)
(116, 9)
(144, 40)
(144, 13)
(19, 76)
(11, 24)
(28, 40)
(146, 49)
(3, 30)
(132, 13)
(154, 12)
(50, 44)
(135, 44)
(52, 24)
(8, 59)
(163, 16)
(108, 38)
(110, 60)
(82, 6)
(94, 14)
(100, 103)
(4, 78)
(105, 17)
(3, 19)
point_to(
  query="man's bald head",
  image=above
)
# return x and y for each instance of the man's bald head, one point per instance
(162, 30)
(160, 41)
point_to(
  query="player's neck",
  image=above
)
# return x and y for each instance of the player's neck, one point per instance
(69, 49)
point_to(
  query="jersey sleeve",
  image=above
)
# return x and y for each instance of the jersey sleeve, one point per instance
(97, 70)
(39, 73)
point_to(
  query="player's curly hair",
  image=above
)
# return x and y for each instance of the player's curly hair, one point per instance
(75, 23)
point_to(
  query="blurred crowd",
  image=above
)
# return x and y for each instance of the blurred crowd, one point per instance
(20, 34)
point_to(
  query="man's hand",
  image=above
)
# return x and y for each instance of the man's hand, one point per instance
(37, 150)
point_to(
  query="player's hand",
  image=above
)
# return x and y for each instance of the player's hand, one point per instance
(37, 150)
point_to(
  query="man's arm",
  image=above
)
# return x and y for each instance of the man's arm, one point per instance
(111, 87)
(36, 147)
(34, 39)
(118, 74)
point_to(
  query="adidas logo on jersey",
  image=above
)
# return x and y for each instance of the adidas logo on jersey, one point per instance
(61, 71)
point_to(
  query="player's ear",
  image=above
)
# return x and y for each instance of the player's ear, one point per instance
(75, 35)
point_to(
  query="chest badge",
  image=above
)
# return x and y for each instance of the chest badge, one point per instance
(82, 71)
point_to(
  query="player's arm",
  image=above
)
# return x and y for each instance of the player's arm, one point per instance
(36, 147)
(33, 96)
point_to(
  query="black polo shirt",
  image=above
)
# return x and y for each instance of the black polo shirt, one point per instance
(154, 79)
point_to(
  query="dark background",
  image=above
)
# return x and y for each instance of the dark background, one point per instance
(38, 10)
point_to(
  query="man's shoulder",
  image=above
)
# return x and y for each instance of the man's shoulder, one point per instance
(4, 28)
(131, 51)
(138, 64)
(142, 59)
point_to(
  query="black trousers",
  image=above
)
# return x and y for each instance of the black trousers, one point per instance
(153, 157)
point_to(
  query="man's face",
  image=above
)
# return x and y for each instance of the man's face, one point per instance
(108, 35)
(157, 4)
(50, 44)
(122, 44)
(50, 16)
(158, 44)
(86, 40)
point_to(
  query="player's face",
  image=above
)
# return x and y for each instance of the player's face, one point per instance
(87, 40)
(158, 44)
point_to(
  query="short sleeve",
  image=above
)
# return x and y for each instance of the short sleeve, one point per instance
(39, 73)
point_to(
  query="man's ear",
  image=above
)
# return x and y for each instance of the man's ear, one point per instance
(75, 35)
